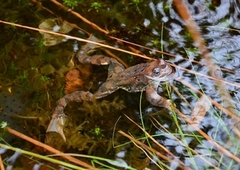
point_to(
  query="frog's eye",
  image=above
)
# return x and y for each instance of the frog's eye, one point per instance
(156, 71)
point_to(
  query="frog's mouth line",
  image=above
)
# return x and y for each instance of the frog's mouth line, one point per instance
(159, 79)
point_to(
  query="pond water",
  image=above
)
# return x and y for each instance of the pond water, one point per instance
(32, 76)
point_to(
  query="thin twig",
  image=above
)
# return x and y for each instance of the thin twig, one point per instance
(192, 150)
(235, 117)
(49, 148)
(93, 25)
(117, 49)
(116, 57)
(1, 163)
(208, 61)
(148, 148)
(80, 16)
(76, 38)
(157, 143)
(210, 140)
(119, 40)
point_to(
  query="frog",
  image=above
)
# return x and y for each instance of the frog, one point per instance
(141, 77)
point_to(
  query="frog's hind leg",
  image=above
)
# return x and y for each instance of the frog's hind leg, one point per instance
(77, 96)
(114, 65)
(86, 50)
(58, 117)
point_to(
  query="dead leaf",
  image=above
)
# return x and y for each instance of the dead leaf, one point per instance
(55, 25)
(202, 106)
(73, 81)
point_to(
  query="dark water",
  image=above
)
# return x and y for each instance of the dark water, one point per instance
(39, 71)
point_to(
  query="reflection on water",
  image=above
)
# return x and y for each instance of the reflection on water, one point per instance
(224, 44)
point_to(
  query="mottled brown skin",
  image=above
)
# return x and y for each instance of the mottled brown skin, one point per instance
(142, 77)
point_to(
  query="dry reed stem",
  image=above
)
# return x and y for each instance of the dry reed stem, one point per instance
(208, 61)
(113, 48)
(235, 117)
(118, 49)
(140, 46)
(213, 71)
(115, 57)
(49, 148)
(93, 25)
(223, 150)
(206, 76)
(1, 164)
(181, 96)
(157, 143)
(98, 28)
(149, 148)
(119, 40)
(80, 16)
(209, 139)
(150, 156)
(76, 38)
(192, 150)
(71, 24)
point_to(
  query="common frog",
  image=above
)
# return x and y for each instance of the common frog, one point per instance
(142, 77)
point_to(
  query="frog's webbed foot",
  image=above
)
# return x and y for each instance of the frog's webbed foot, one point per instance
(90, 47)
(155, 99)
(86, 50)
(56, 125)
(58, 117)
(114, 65)
(84, 56)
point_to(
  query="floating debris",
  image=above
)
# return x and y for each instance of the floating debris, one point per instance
(55, 25)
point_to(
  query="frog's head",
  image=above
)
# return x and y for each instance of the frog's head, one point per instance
(160, 71)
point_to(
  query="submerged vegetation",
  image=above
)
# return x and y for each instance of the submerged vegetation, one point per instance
(122, 130)
(72, 3)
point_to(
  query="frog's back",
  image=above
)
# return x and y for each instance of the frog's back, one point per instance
(132, 79)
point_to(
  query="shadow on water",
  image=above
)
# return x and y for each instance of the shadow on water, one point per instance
(32, 80)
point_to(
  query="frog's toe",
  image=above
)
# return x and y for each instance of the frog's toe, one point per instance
(168, 104)
(57, 124)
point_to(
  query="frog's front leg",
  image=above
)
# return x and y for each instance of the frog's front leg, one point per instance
(155, 99)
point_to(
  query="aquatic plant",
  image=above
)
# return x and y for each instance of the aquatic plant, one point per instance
(96, 6)
(72, 3)
(136, 3)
